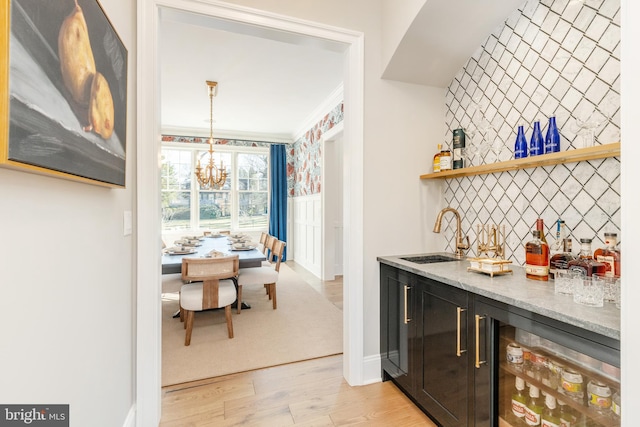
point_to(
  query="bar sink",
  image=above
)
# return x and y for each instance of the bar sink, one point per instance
(430, 259)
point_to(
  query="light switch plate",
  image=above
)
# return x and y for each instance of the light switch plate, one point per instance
(127, 223)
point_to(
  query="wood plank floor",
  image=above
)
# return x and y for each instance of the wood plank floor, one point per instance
(307, 393)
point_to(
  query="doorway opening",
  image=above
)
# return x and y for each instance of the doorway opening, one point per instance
(148, 349)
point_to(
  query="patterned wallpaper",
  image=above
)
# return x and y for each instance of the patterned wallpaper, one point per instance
(551, 57)
(305, 176)
(303, 157)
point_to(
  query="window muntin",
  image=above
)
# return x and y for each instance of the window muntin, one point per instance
(242, 203)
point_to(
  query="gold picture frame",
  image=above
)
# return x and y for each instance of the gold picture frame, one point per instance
(63, 108)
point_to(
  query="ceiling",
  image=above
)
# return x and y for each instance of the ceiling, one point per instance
(273, 84)
(270, 83)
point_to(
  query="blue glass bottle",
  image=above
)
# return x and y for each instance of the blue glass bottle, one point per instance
(536, 146)
(552, 140)
(520, 149)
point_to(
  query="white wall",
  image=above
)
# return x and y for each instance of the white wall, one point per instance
(398, 17)
(67, 295)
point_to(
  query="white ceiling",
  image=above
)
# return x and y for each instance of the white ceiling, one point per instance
(270, 83)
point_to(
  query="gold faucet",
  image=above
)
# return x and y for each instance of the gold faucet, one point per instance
(461, 246)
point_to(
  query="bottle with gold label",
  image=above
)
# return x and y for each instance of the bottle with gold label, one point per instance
(609, 255)
(446, 160)
(537, 258)
(436, 159)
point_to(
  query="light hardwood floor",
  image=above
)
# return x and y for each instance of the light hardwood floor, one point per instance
(307, 393)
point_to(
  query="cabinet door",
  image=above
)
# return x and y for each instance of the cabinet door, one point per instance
(442, 353)
(396, 324)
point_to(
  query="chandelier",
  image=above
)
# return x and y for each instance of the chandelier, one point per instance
(211, 177)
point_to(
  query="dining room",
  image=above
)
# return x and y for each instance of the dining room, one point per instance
(231, 217)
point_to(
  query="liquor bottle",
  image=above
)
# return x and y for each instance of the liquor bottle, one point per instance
(609, 255)
(552, 139)
(533, 411)
(540, 227)
(536, 146)
(436, 159)
(519, 400)
(561, 234)
(446, 162)
(550, 416)
(585, 264)
(537, 258)
(520, 151)
(560, 261)
(458, 148)
(567, 419)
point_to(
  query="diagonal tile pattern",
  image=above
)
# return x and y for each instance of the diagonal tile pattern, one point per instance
(550, 58)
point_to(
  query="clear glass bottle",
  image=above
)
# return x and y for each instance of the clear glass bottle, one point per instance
(519, 399)
(615, 406)
(585, 264)
(567, 419)
(561, 234)
(536, 146)
(520, 150)
(446, 160)
(609, 255)
(537, 258)
(560, 261)
(550, 415)
(533, 411)
(552, 139)
(436, 159)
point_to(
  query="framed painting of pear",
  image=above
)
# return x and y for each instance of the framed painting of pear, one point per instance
(63, 105)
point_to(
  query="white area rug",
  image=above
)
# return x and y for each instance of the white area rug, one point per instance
(304, 326)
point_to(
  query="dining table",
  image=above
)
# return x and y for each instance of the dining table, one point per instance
(248, 257)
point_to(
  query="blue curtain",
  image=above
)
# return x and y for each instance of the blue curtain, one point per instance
(278, 209)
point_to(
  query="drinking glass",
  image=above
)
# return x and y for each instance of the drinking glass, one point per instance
(565, 281)
(609, 284)
(588, 291)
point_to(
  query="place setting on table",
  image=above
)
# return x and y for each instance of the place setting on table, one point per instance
(208, 244)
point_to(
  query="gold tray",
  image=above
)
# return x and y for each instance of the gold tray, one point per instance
(498, 266)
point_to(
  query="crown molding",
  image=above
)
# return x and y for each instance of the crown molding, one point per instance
(228, 134)
(321, 110)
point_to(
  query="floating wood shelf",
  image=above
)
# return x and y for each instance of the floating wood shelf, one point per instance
(569, 156)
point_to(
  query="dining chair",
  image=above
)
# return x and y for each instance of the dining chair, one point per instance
(262, 241)
(212, 290)
(267, 276)
(267, 250)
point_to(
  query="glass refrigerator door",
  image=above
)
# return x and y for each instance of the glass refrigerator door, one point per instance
(546, 373)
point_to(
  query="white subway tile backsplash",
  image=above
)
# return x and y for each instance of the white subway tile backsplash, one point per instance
(584, 19)
(572, 39)
(583, 80)
(583, 49)
(552, 57)
(610, 71)
(597, 27)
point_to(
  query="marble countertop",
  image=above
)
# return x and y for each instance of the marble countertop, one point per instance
(516, 290)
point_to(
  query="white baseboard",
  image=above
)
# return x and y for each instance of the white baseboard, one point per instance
(372, 370)
(130, 421)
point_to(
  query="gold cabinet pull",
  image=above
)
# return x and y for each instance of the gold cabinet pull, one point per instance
(406, 299)
(478, 361)
(458, 350)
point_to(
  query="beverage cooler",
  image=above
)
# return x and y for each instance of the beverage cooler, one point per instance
(530, 370)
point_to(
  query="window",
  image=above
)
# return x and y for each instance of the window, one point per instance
(242, 203)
